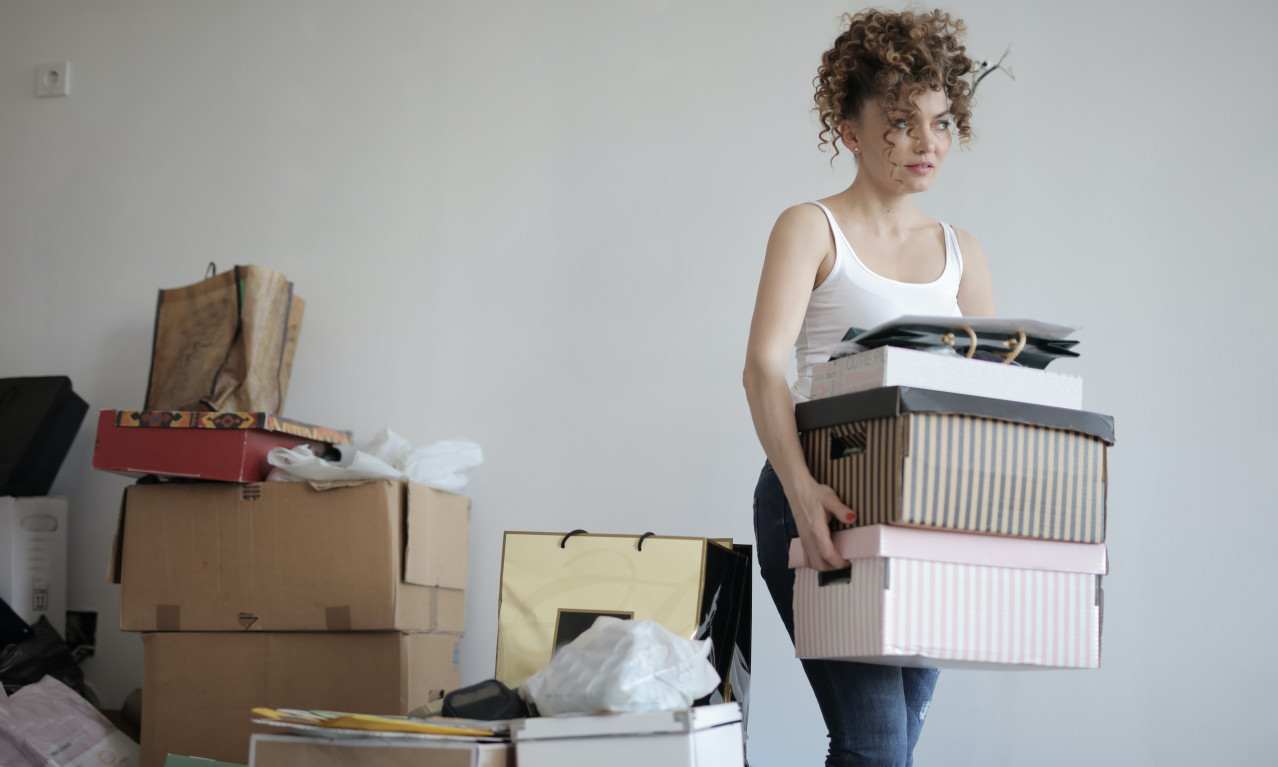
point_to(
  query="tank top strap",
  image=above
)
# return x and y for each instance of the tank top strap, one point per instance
(952, 250)
(840, 241)
(829, 216)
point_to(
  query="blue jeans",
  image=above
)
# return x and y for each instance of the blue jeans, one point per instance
(874, 713)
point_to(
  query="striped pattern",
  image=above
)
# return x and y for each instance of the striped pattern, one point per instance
(936, 613)
(869, 482)
(966, 473)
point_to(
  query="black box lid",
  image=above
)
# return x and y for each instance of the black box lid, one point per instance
(896, 400)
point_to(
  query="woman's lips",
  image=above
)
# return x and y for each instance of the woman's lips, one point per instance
(922, 168)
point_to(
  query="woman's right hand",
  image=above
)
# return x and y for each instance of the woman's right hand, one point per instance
(813, 506)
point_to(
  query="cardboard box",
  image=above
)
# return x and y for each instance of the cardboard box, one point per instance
(284, 556)
(297, 751)
(229, 447)
(924, 458)
(199, 689)
(33, 558)
(943, 600)
(894, 366)
(706, 736)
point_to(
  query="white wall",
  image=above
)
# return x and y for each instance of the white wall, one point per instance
(539, 226)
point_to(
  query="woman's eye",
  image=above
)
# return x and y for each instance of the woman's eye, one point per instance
(901, 124)
(943, 125)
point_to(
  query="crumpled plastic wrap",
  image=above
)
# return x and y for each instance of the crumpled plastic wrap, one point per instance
(387, 456)
(48, 725)
(623, 666)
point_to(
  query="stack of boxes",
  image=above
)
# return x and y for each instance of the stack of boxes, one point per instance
(980, 532)
(344, 597)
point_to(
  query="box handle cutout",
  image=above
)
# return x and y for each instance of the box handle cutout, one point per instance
(831, 577)
(847, 445)
(40, 523)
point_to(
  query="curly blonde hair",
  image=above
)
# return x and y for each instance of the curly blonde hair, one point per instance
(885, 55)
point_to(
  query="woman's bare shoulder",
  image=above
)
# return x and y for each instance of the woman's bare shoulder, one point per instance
(804, 215)
(802, 230)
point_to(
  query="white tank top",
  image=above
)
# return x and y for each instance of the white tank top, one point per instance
(854, 296)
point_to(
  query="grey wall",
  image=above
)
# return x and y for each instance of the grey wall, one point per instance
(539, 226)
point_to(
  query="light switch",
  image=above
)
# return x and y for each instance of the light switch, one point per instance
(53, 79)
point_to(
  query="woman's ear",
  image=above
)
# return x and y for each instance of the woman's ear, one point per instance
(849, 133)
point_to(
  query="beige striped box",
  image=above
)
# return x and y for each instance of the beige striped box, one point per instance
(922, 458)
(946, 600)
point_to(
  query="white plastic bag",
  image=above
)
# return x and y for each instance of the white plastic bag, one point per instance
(623, 665)
(386, 456)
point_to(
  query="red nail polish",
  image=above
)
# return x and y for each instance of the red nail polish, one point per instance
(851, 517)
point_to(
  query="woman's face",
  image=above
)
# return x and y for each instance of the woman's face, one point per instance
(912, 161)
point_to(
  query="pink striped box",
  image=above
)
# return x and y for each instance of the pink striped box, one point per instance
(940, 599)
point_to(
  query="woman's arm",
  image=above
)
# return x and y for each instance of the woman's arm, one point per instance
(798, 247)
(976, 294)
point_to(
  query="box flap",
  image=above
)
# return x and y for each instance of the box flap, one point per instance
(437, 537)
(963, 548)
(649, 723)
(895, 400)
(117, 543)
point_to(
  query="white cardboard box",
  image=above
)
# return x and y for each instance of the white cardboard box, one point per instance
(706, 736)
(942, 599)
(376, 750)
(893, 366)
(33, 558)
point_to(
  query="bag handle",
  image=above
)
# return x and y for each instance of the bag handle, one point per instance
(563, 542)
(948, 339)
(1015, 344)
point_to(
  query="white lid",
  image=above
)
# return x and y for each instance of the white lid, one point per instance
(650, 723)
(962, 547)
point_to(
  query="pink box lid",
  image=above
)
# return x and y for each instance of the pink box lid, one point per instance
(963, 548)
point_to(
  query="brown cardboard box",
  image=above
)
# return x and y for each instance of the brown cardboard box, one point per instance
(198, 689)
(283, 556)
(294, 751)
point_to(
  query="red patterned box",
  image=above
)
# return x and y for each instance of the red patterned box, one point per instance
(231, 447)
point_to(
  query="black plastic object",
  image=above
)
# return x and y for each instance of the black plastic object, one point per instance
(13, 628)
(487, 700)
(27, 662)
(39, 418)
(1033, 352)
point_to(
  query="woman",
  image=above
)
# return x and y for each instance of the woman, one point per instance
(892, 91)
